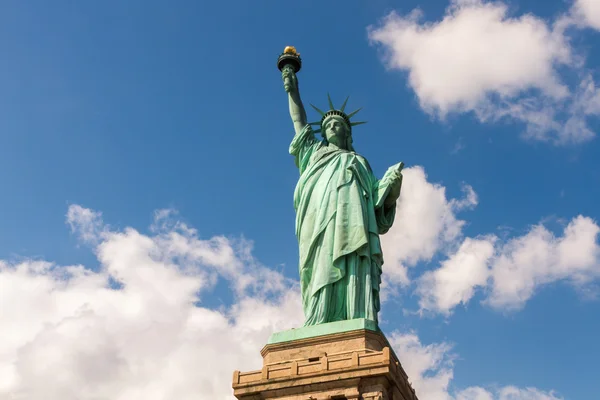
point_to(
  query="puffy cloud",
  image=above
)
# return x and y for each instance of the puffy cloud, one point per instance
(137, 328)
(538, 258)
(506, 393)
(87, 223)
(76, 334)
(430, 369)
(425, 223)
(475, 49)
(474, 393)
(510, 272)
(479, 59)
(514, 393)
(588, 11)
(456, 280)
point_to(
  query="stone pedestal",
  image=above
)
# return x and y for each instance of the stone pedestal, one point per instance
(337, 363)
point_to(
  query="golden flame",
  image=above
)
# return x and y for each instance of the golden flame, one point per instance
(291, 50)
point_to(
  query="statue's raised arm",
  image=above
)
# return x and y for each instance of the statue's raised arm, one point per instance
(297, 111)
(289, 63)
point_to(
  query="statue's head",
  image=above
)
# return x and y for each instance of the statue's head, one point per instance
(335, 130)
(335, 125)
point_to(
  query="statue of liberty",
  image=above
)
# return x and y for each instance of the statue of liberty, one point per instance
(341, 209)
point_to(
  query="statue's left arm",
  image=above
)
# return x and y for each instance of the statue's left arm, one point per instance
(394, 178)
(387, 192)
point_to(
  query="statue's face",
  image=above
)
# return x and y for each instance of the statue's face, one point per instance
(336, 131)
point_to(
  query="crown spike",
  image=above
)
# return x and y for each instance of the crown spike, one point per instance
(344, 105)
(317, 130)
(331, 107)
(353, 113)
(319, 111)
(357, 123)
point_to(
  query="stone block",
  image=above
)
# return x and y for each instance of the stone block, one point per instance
(351, 364)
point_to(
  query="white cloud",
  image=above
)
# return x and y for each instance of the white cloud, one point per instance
(588, 11)
(425, 222)
(456, 280)
(506, 393)
(538, 258)
(430, 369)
(87, 223)
(514, 393)
(73, 335)
(510, 272)
(480, 59)
(474, 393)
(475, 49)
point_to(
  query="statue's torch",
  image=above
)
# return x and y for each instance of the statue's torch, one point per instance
(290, 57)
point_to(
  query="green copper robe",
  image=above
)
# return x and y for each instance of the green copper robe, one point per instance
(340, 214)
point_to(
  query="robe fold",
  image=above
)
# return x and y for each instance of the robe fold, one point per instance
(340, 214)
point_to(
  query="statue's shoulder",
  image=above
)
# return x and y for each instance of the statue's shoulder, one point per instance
(363, 161)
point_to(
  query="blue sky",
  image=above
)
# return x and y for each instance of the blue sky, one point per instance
(110, 111)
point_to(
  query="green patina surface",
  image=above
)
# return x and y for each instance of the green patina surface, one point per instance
(341, 209)
(323, 329)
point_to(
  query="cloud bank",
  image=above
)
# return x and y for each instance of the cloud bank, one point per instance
(479, 59)
(137, 328)
(588, 13)
(426, 224)
(140, 327)
(507, 272)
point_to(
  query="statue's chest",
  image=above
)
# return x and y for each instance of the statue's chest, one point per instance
(326, 154)
(338, 167)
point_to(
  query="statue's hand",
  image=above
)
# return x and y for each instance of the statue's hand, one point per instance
(397, 167)
(394, 174)
(290, 81)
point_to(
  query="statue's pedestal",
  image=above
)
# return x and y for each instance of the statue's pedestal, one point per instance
(340, 360)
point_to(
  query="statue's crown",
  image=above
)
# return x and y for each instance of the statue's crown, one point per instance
(335, 112)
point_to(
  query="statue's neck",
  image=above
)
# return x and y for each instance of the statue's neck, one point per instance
(334, 146)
